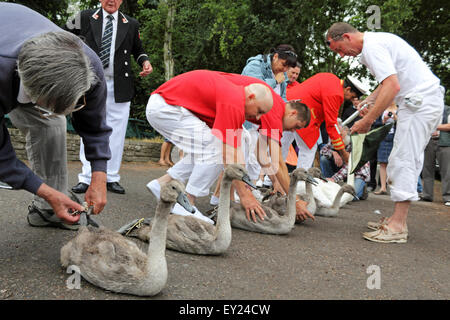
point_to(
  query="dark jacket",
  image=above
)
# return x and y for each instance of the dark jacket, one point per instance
(88, 26)
(19, 23)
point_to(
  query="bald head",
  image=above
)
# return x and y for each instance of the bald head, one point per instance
(258, 100)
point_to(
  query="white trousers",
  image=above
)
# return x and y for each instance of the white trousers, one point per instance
(305, 155)
(202, 161)
(117, 115)
(415, 125)
(249, 142)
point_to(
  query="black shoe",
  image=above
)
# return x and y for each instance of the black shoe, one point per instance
(425, 199)
(115, 187)
(81, 187)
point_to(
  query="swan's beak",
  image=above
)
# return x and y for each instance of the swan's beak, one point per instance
(322, 177)
(310, 179)
(247, 180)
(86, 219)
(184, 202)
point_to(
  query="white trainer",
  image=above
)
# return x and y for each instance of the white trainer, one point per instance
(214, 200)
(178, 209)
(154, 188)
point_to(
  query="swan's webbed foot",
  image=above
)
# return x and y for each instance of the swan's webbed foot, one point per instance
(128, 228)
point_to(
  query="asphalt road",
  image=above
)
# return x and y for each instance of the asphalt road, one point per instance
(322, 259)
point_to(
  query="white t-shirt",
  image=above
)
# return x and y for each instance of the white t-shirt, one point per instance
(386, 54)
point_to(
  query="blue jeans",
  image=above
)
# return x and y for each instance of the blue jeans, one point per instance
(359, 187)
(419, 186)
(328, 166)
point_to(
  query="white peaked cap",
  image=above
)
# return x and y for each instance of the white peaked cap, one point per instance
(363, 89)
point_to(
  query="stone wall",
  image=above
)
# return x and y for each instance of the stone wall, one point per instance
(134, 150)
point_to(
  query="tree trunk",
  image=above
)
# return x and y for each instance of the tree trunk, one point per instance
(168, 57)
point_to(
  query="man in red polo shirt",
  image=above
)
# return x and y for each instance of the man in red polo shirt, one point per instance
(202, 113)
(284, 116)
(324, 94)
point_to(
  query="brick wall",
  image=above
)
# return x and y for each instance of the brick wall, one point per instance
(134, 150)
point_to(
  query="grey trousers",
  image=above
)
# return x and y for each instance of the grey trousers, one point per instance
(46, 147)
(442, 154)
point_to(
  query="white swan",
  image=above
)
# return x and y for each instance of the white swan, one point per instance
(324, 192)
(275, 222)
(334, 209)
(109, 260)
(192, 235)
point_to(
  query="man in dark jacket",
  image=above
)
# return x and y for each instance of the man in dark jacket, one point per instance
(114, 36)
(45, 74)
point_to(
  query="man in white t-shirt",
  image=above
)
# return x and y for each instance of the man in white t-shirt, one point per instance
(405, 78)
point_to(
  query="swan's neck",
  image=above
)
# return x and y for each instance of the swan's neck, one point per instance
(309, 191)
(158, 233)
(337, 199)
(223, 227)
(291, 208)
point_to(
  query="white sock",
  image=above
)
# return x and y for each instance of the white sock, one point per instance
(214, 200)
(178, 209)
(267, 181)
(154, 188)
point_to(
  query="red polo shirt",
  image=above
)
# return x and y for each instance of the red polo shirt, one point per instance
(210, 97)
(292, 85)
(271, 123)
(323, 93)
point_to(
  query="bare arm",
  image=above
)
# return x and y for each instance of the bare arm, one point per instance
(389, 89)
(251, 205)
(443, 127)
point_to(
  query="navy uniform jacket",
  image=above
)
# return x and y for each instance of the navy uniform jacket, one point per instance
(18, 24)
(89, 24)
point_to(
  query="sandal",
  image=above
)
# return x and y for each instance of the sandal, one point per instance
(379, 192)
